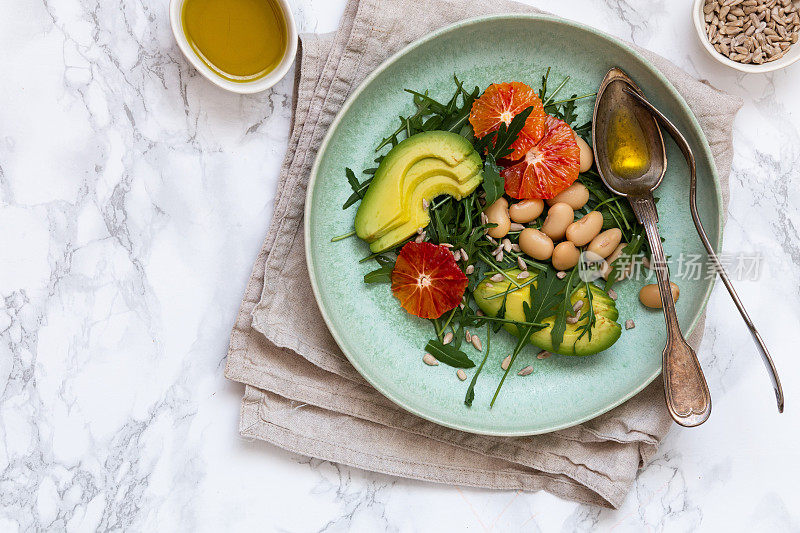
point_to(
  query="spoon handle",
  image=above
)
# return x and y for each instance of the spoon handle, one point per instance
(685, 388)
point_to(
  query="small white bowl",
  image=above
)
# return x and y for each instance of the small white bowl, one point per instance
(247, 87)
(792, 55)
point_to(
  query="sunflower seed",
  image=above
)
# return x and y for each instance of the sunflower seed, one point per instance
(468, 336)
(561, 274)
(499, 256)
(612, 294)
(515, 247)
(464, 255)
(497, 278)
(470, 269)
(429, 360)
(525, 371)
(476, 342)
(457, 256)
(521, 263)
(484, 219)
(630, 324)
(507, 245)
(524, 274)
(515, 226)
(578, 306)
(506, 362)
(421, 237)
(572, 320)
(448, 338)
(543, 355)
(489, 285)
(461, 374)
(446, 244)
(490, 239)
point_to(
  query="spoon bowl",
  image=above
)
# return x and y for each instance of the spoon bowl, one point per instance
(614, 103)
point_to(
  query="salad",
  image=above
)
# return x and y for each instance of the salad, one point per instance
(486, 209)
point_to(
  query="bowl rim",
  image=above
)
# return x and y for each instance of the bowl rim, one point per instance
(699, 26)
(694, 126)
(247, 87)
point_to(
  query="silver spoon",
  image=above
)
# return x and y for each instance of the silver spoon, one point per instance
(680, 140)
(685, 388)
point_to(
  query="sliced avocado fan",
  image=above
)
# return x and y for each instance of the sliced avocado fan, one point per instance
(413, 173)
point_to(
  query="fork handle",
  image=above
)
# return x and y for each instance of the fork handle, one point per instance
(685, 388)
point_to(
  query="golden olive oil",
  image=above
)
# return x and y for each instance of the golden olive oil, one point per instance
(241, 40)
(628, 153)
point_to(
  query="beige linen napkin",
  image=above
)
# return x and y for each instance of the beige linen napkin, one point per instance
(303, 395)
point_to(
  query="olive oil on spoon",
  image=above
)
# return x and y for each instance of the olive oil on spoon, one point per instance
(631, 161)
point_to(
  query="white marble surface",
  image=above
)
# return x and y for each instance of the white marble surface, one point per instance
(134, 196)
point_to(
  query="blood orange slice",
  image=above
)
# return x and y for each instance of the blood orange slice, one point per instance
(549, 167)
(427, 280)
(499, 104)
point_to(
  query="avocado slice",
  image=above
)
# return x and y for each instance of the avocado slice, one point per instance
(422, 167)
(605, 330)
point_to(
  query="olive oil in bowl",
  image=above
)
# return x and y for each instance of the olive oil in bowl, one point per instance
(240, 40)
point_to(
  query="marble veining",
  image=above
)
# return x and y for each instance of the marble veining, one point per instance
(134, 196)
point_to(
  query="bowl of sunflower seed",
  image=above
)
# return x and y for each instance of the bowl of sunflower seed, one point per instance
(749, 35)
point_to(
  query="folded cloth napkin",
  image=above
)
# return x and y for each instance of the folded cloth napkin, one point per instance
(303, 395)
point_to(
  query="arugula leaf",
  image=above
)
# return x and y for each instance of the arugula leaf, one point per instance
(564, 307)
(630, 251)
(449, 355)
(543, 89)
(380, 275)
(358, 188)
(493, 183)
(567, 111)
(545, 298)
(588, 315)
(506, 136)
(471, 389)
(501, 313)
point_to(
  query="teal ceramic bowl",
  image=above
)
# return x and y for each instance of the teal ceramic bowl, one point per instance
(385, 344)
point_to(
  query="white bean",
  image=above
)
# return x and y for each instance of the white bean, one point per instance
(585, 229)
(587, 156)
(606, 242)
(497, 213)
(565, 256)
(559, 216)
(651, 297)
(526, 211)
(536, 244)
(576, 196)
